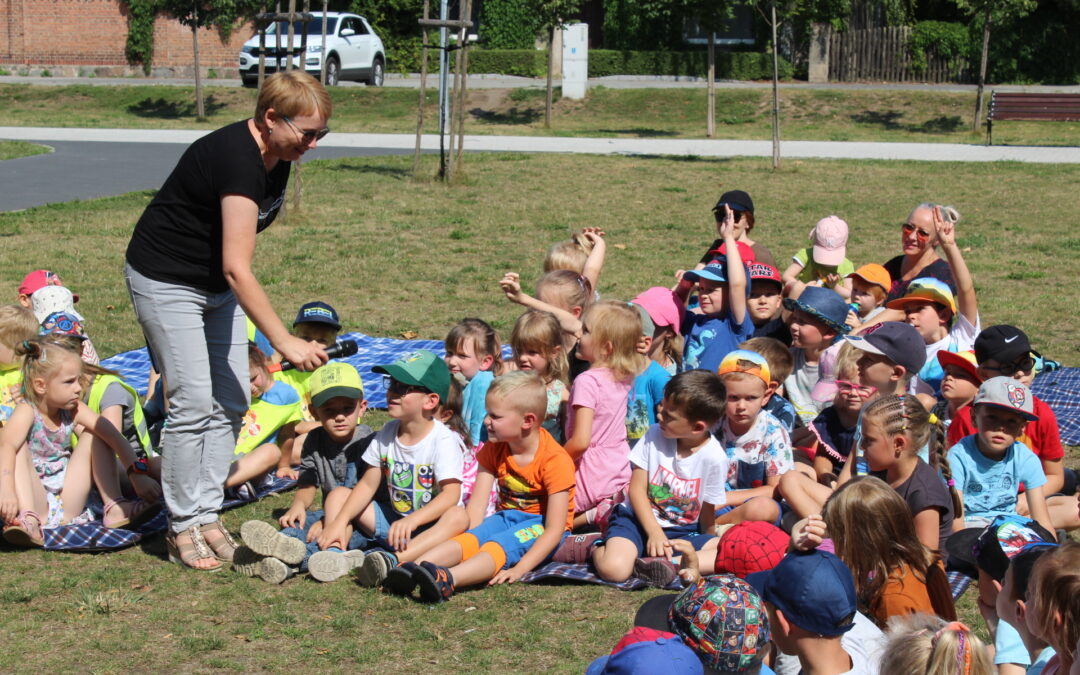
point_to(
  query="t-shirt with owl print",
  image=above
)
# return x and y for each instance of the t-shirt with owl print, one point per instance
(412, 473)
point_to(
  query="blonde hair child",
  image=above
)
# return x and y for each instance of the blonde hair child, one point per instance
(1053, 612)
(474, 357)
(536, 341)
(17, 323)
(927, 645)
(595, 425)
(583, 253)
(563, 293)
(36, 451)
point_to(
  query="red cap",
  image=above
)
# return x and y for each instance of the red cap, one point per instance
(39, 279)
(761, 272)
(745, 252)
(751, 546)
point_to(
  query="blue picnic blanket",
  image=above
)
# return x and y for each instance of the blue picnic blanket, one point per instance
(1060, 389)
(134, 366)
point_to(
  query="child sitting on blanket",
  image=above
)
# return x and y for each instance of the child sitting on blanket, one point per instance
(330, 458)
(411, 483)
(474, 357)
(16, 325)
(678, 479)
(268, 424)
(536, 501)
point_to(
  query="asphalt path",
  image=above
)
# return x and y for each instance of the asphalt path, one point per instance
(87, 170)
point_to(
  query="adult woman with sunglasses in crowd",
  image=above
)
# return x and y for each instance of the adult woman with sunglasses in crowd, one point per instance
(920, 259)
(189, 275)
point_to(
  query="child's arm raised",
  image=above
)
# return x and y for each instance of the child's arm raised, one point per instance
(333, 534)
(302, 501)
(656, 541)
(511, 286)
(401, 530)
(965, 284)
(577, 444)
(594, 264)
(554, 527)
(12, 437)
(736, 273)
(145, 487)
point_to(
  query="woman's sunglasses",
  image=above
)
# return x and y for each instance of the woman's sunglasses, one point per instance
(308, 135)
(921, 235)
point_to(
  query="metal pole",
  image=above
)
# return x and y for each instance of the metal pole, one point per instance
(322, 58)
(444, 93)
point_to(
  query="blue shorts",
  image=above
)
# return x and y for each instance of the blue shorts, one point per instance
(385, 516)
(622, 523)
(506, 536)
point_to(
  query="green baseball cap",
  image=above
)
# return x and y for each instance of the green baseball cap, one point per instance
(420, 369)
(335, 379)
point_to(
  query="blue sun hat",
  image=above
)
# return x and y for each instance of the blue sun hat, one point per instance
(824, 305)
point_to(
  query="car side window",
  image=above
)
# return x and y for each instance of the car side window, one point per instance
(359, 27)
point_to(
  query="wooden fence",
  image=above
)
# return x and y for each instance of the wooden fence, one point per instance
(882, 54)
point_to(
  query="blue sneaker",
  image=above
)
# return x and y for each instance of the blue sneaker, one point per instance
(400, 580)
(435, 582)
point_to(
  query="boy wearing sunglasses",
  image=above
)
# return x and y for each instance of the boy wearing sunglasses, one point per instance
(411, 481)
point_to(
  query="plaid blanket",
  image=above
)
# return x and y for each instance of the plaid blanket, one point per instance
(583, 572)
(1060, 389)
(134, 366)
(95, 536)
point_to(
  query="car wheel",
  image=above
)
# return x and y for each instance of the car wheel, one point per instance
(250, 82)
(377, 74)
(333, 71)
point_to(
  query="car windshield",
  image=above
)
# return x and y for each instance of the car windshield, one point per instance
(314, 27)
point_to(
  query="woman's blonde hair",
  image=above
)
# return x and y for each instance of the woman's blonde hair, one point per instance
(948, 213)
(484, 338)
(906, 415)
(541, 332)
(616, 329)
(42, 357)
(570, 254)
(874, 535)
(17, 323)
(921, 644)
(1053, 589)
(290, 94)
(572, 288)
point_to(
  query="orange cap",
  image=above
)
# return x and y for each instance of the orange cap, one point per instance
(874, 274)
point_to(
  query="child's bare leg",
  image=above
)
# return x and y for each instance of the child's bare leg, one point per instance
(28, 488)
(707, 556)
(476, 570)
(1063, 512)
(333, 504)
(77, 479)
(804, 494)
(297, 449)
(253, 464)
(581, 520)
(614, 560)
(758, 508)
(106, 472)
(450, 524)
(446, 554)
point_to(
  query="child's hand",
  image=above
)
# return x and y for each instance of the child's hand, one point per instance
(287, 472)
(9, 505)
(658, 546)
(726, 227)
(331, 537)
(831, 280)
(511, 286)
(507, 576)
(594, 235)
(808, 533)
(946, 231)
(146, 488)
(642, 346)
(314, 531)
(400, 533)
(852, 319)
(294, 517)
(689, 570)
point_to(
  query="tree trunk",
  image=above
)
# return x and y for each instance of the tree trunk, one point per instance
(200, 112)
(550, 77)
(982, 72)
(775, 93)
(710, 124)
(423, 90)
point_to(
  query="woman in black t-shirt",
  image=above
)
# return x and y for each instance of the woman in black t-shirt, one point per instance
(189, 274)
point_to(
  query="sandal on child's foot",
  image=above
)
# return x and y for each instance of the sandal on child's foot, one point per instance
(435, 582)
(141, 513)
(25, 531)
(188, 548)
(251, 564)
(262, 538)
(377, 564)
(219, 540)
(400, 580)
(331, 565)
(658, 572)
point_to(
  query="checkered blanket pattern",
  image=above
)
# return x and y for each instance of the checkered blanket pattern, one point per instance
(134, 366)
(584, 573)
(95, 536)
(1060, 389)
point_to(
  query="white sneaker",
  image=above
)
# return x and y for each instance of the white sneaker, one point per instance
(331, 565)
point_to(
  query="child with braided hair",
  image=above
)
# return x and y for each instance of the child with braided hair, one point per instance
(926, 644)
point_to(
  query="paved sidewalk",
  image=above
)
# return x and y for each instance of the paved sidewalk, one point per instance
(935, 152)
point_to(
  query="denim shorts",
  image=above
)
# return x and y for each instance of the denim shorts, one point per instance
(622, 523)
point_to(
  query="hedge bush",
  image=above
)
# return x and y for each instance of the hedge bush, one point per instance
(523, 62)
(508, 24)
(949, 40)
(729, 65)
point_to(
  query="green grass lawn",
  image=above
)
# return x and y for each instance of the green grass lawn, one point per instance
(14, 149)
(394, 253)
(830, 115)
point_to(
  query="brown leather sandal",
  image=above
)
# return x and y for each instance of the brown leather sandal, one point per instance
(188, 547)
(219, 540)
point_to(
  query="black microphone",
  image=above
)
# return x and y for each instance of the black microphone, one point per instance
(337, 350)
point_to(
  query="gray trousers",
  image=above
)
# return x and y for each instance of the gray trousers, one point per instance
(199, 342)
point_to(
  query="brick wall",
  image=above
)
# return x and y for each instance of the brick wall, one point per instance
(93, 33)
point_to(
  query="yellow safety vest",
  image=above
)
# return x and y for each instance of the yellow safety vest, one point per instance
(97, 391)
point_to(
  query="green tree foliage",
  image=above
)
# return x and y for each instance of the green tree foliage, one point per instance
(396, 23)
(938, 38)
(1038, 48)
(140, 38)
(508, 24)
(644, 24)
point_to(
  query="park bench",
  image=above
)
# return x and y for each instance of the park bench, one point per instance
(1017, 106)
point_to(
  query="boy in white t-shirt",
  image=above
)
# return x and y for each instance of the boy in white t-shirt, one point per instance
(678, 479)
(412, 482)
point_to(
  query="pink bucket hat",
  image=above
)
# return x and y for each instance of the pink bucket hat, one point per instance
(662, 305)
(830, 241)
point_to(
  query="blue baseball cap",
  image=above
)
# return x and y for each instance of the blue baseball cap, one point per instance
(824, 305)
(714, 271)
(644, 651)
(814, 590)
(318, 312)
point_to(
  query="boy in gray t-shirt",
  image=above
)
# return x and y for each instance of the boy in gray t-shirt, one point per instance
(330, 458)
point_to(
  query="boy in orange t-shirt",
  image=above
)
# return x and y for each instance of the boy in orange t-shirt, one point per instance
(536, 500)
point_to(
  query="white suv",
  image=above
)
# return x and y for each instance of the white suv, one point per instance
(353, 50)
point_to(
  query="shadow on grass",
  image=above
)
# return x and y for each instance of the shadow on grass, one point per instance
(885, 120)
(687, 158)
(946, 124)
(388, 171)
(641, 132)
(512, 116)
(171, 110)
(891, 121)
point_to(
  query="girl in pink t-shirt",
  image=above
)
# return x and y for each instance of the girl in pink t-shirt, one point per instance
(596, 424)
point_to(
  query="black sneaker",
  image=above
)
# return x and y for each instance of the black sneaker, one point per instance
(435, 582)
(401, 580)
